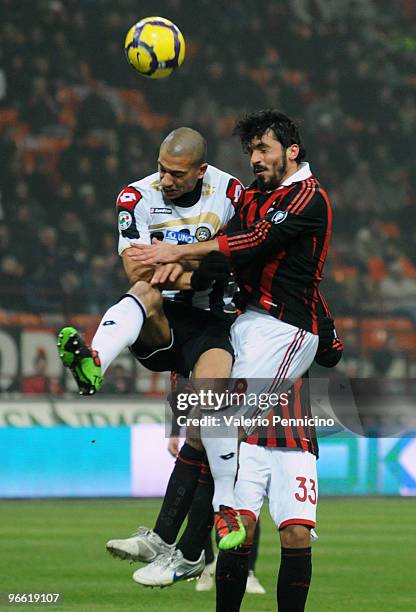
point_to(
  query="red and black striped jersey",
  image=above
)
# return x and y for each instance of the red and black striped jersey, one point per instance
(278, 242)
(282, 435)
(298, 404)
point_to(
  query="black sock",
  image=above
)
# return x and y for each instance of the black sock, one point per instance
(209, 550)
(255, 548)
(231, 578)
(179, 493)
(200, 519)
(294, 579)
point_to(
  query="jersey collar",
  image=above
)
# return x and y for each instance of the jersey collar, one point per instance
(191, 198)
(301, 174)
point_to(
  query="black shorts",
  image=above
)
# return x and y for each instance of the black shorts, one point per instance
(194, 331)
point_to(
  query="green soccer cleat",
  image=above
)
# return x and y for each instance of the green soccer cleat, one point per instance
(230, 529)
(83, 362)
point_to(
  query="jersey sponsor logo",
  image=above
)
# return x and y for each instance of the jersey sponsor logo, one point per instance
(128, 198)
(208, 217)
(161, 211)
(203, 233)
(234, 191)
(181, 236)
(279, 216)
(124, 220)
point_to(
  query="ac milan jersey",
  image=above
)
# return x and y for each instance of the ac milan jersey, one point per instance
(278, 241)
(144, 213)
(301, 433)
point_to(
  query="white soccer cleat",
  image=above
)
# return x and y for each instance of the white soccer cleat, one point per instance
(144, 545)
(253, 585)
(206, 579)
(168, 569)
(314, 535)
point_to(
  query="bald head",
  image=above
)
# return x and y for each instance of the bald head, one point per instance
(186, 142)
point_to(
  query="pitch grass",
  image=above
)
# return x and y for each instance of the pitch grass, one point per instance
(364, 560)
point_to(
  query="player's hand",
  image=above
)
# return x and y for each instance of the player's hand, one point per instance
(167, 273)
(157, 252)
(173, 446)
(327, 333)
(214, 267)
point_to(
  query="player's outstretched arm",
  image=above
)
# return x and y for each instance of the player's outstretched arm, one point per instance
(161, 252)
(214, 268)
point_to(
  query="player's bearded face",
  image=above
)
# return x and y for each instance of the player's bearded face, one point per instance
(268, 160)
(178, 174)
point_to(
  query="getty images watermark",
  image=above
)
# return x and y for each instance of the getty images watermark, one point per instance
(333, 405)
(257, 410)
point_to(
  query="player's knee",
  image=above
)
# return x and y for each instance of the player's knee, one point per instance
(214, 363)
(295, 536)
(150, 297)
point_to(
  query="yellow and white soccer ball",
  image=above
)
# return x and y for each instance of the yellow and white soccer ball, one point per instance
(155, 47)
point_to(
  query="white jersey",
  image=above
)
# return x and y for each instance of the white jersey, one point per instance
(144, 213)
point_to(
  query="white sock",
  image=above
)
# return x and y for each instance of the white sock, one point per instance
(222, 456)
(119, 328)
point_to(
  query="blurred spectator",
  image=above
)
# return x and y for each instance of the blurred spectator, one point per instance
(398, 292)
(39, 382)
(383, 358)
(96, 115)
(118, 380)
(100, 290)
(41, 110)
(11, 284)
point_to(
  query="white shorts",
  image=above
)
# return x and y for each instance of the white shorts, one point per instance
(286, 476)
(269, 354)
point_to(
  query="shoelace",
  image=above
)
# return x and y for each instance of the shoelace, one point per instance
(168, 558)
(151, 535)
(141, 531)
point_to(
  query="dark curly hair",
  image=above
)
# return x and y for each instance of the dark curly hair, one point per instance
(256, 124)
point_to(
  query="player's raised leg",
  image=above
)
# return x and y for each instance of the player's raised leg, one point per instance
(221, 447)
(138, 313)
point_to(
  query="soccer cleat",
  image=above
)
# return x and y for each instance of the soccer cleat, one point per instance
(229, 528)
(83, 362)
(206, 580)
(168, 569)
(144, 545)
(253, 585)
(314, 535)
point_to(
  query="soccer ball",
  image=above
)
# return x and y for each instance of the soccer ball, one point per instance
(155, 47)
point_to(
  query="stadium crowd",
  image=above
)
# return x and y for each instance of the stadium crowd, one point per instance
(77, 124)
